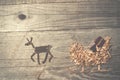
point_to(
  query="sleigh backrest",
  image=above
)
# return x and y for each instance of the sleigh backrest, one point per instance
(107, 45)
(101, 43)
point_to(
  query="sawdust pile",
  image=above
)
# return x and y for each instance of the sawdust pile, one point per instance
(85, 57)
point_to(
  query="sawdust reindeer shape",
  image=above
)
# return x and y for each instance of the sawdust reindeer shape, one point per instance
(38, 50)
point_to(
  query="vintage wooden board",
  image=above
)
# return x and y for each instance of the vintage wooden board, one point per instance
(58, 23)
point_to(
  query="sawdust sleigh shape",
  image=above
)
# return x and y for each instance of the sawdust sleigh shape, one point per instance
(86, 58)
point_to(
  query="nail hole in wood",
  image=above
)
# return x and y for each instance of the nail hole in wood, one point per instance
(22, 16)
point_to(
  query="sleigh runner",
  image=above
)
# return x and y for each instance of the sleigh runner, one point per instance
(96, 55)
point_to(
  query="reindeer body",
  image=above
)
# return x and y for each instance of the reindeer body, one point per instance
(40, 49)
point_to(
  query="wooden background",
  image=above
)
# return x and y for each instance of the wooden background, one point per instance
(58, 23)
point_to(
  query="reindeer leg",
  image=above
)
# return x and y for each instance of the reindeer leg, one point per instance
(51, 56)
(45, 58)
(32, 57)
(38, 58)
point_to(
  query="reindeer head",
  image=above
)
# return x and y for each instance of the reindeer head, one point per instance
(29, 41)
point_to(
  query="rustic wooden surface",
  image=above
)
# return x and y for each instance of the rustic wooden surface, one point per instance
(58, 23)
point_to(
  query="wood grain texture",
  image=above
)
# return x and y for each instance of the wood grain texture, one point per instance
(58, 23)
(18, 2)
(15, 62)
(54, 16)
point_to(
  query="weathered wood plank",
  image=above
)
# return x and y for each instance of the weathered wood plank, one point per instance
(13, 43)
(62, 16)
(15, 62)
(61, 8)
(57, 22)
(17, 2)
